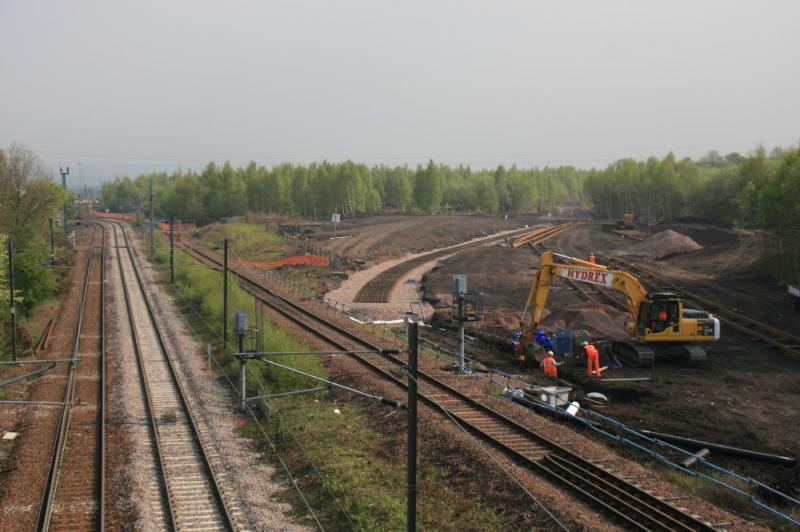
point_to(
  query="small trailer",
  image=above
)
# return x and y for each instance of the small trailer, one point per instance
(794, 291)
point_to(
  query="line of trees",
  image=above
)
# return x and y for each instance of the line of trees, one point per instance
(744, 192)
(349, 188)
(758, 191)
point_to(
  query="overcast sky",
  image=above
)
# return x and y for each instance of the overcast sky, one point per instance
(126, 87)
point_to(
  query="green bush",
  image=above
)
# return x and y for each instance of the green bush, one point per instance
(250, 241)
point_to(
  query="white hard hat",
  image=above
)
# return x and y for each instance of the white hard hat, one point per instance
(584, 343)
(549, 352)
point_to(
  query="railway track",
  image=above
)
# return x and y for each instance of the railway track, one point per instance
(186, 492)
(379, 289)
(73, 498)
(626, 502)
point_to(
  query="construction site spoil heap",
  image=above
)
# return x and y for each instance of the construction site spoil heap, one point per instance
(662, 245)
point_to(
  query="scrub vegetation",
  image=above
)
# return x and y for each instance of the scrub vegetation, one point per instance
(252, 241)
(27, 200)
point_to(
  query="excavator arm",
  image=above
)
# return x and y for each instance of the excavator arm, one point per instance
(583, 271)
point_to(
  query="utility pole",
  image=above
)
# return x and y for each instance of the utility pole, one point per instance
(64, 184)
(225, 295)
(11, 303)
(152, 242)
(411, 477)
(459, 291)
(241, 326)
(461, 332)
(172, 250)
(52, 244)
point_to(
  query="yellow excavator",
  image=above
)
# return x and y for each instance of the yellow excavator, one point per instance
(657, 323)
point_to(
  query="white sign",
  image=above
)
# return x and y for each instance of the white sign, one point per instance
(336, 218)
(588, 276)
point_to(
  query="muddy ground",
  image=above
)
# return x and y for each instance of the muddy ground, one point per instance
(377, 238)
(747, 393)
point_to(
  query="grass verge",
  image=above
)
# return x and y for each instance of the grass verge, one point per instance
(339, 460)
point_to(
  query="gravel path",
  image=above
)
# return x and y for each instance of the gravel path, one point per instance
(407, 291)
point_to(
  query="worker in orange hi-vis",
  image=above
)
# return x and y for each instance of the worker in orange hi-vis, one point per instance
(592, 259)
(550, 367)
(592, 360)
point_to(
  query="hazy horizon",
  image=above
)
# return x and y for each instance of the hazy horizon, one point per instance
(125, 88)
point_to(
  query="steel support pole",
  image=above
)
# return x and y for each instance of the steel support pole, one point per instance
(411, 480)
(172, 250)
(242, 375)
(460, 332)
(11, 303)
(225, 294)
(52, 244)
(64, 184)
(150, 221)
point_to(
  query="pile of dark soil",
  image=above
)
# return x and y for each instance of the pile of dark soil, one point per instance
(663, 244)
(602, 321)
(704, 234)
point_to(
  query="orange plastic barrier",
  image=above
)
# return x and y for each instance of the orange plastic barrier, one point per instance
(113, 215)
(296, 260)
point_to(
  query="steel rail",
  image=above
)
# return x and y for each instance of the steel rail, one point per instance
(519, 441)
(379, 289)
(145, 387)
(223, 509)
(102, 404)
(45, 512)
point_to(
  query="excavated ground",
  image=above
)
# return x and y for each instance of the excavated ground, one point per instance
(747, 393)
(378, 238)
(745, 396)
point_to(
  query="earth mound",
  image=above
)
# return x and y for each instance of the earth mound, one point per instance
(600, 320)
(663, 244)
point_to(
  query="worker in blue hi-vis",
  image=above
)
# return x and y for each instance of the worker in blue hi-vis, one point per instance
(516, 342)
(543, 340)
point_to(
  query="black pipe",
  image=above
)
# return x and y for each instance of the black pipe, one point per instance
(723, 449)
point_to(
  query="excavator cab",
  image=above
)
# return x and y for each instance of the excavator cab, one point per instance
(659, 313)
(662, 318)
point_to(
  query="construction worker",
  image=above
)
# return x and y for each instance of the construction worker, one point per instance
(516, 344)
(592, 360)
(592, 259)
(543, 340)
(550, 367)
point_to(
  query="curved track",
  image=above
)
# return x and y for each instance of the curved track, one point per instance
(379, 288)
(73, 498)
(191, 494)
(629, 504)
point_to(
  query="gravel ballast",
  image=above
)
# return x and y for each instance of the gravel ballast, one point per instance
(253, 487)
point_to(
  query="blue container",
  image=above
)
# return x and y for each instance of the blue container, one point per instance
(563, 343)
